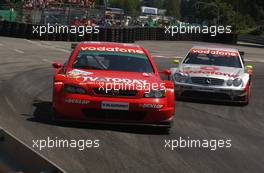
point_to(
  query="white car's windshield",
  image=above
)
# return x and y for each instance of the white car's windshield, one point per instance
(213, 59)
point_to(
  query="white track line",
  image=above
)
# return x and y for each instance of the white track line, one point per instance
(48, 46)
(18, 51)
(10, 105)
(46, 60)
(166, 57)
(159, 56)
(32, 42)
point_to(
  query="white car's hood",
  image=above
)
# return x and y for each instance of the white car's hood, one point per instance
(211, 71)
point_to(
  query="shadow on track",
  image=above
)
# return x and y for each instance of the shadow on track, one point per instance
(43, 114)
(210, 102)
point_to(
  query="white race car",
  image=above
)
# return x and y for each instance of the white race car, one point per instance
(214, 74)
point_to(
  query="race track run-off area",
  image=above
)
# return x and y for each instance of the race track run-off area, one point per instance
(25, 97)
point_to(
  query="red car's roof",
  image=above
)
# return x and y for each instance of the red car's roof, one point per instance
(110, 44)
(111, 47)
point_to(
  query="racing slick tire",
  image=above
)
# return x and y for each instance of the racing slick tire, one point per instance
(177, 96)
(54, 116)
(165, 130)
(246, 101)
(247, 98)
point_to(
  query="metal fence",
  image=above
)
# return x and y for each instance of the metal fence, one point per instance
(64, 15)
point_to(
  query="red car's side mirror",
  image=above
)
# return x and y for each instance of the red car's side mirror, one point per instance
(167, 72)
(56, 65)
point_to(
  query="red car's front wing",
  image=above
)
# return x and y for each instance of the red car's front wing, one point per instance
(88, 108)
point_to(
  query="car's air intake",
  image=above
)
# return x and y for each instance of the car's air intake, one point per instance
(207, 81)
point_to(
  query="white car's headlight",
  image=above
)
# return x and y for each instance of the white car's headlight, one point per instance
(155, 94)
(181, 77)
(236, 82)
(229, 82)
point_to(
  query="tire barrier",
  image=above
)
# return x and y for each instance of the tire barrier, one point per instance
(1, 27)
(252, 39)
(17, 157)
(114, 34)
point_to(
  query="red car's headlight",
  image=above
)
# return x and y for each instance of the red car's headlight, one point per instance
(74, 89)
(155, 94)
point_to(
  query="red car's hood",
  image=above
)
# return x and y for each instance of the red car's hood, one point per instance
(96, 76)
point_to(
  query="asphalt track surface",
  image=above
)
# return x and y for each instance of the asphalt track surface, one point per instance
(25, 102)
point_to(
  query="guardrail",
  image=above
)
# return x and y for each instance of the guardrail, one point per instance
(125, 35)
(17, 157)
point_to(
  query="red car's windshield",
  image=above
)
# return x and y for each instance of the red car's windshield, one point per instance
(114, 61)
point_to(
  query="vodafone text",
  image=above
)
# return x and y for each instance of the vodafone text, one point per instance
(214, 52)
(112, 49)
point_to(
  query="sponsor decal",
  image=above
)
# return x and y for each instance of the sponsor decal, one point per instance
(209, 72)
(116, 80)
(146, 74)
(77, 101)
(214, 52)
(77, 72)
(112, 49)
(209, 68)
(115, 105)
(152, 106)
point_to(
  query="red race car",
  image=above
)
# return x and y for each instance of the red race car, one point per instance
(112, 83)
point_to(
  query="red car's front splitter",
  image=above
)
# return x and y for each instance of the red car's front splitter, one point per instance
(141, 111)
